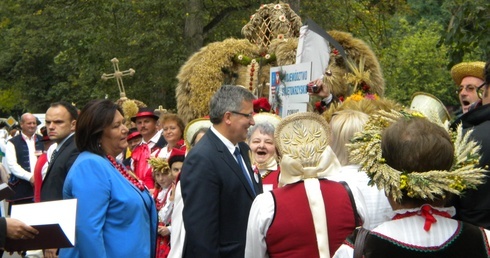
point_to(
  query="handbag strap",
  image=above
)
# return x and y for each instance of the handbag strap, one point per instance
(357, 219)
(360, 241)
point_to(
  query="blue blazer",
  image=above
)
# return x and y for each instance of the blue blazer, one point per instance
(114, 218)
(217, 199)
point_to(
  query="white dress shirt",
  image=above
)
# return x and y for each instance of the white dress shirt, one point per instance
(177, 237)
(11, 158)
(377, 205)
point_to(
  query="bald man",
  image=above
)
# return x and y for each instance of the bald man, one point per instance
(21, 156)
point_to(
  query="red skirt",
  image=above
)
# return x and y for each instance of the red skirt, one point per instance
(163, 246)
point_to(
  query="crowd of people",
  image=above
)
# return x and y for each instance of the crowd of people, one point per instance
(367, 177)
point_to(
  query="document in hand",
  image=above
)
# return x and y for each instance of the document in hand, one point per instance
(54, 220)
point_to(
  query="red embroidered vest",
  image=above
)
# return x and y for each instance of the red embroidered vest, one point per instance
(272, 178)
(292, 233)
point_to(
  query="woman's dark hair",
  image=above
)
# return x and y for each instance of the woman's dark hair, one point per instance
(94, 117)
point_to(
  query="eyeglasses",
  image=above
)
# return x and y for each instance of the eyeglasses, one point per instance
(468, 88)
(480, 90)
(249, 116)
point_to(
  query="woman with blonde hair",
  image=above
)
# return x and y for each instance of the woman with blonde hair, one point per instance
(344, 124)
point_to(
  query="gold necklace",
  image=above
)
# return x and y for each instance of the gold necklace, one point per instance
(266, 174)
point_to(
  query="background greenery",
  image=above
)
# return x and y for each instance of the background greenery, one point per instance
(57, 50)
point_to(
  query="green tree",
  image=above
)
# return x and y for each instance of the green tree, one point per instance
(53, 50)
(58, 50)
(369, 20)
(414, 63)
(466, 30)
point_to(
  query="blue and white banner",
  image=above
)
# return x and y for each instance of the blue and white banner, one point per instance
(288, 94)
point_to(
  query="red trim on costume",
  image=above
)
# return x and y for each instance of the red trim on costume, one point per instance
(426, 211)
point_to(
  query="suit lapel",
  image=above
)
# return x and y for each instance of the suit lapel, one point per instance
(230, 161)
(244, 149)
(62, 148)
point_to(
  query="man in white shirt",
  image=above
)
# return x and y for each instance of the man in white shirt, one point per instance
(21, 157)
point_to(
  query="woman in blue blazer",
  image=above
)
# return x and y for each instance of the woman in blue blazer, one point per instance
(116, 215)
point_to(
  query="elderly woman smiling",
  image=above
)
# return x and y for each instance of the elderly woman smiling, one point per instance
(262, 145)
(116, 215)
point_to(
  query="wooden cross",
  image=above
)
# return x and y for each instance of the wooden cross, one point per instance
(160, 110)
(118, 75)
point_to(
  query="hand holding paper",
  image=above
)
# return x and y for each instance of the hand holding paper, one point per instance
(54, 221)
(17, 229)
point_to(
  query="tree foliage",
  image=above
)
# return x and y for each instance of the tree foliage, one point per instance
(413, 63)
(466, 30)
(57, 50)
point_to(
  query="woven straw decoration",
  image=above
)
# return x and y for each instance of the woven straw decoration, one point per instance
(303, 136)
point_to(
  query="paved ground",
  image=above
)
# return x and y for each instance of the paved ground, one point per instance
(16, 255)
(5, 255)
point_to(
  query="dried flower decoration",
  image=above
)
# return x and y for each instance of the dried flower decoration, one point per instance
(159, 165)
(263, 60)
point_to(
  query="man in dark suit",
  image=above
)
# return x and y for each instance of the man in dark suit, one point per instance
(61, 118)
(473, 206)
(218, 184)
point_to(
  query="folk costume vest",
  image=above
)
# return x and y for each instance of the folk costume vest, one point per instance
(467, 241)
(272, 178)
(23, 189)
(292, 232)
